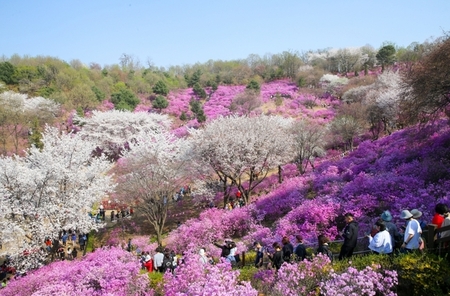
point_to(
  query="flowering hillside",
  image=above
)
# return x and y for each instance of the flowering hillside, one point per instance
(405, 170)
(409, 169)
(291, 101)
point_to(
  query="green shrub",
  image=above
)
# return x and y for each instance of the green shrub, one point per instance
(423, 274)
(247, 273)
(156, 282)
(278, 100)
(361, 262)
(250, 258)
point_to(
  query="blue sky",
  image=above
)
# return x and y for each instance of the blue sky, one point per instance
(179, 32)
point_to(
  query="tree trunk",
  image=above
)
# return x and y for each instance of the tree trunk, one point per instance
(280, 175)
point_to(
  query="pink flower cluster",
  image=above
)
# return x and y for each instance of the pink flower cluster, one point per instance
(108, 271)
(194, 278)
(353, 282)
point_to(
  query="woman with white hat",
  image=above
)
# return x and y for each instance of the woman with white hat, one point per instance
(411, 239)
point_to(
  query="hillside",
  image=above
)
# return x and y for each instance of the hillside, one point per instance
(259, 158)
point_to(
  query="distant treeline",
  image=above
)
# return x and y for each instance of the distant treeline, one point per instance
(83, 87)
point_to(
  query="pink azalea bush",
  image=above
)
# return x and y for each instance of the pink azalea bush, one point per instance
(107, 271)
(317, 276)
(213, 225)
(302, 278)
(367, 282)
(309, 219)
(194, 278)
(143, 244)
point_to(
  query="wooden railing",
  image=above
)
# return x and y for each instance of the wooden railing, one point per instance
(433, 239)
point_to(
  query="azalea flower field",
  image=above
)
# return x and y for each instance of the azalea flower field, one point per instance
(299, 156)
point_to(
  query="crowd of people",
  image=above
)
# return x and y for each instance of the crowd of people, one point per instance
(163, 260)
(385, 238)
(66, 245)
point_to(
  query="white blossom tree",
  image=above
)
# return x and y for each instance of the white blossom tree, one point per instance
(151, 171)
(382, 97)
(46, 191)
(243, 150)
(113, 129)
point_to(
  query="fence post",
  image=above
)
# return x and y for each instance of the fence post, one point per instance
(430, 235)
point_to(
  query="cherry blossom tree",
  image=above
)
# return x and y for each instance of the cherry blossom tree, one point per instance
(111, 130)
(243, 150)
(49, 190)
(152, 170)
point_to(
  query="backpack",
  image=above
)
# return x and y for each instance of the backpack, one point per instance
(327, 252)
(167, 263)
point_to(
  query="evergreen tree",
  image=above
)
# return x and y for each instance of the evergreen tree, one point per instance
(99, 94)
(124, 99)
(34, 136)
(386, 56)
(160, 88)
(199, 91)
(160, 103)
(253, 85)
(7, 71)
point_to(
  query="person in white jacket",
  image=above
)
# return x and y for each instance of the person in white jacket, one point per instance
(381, 243)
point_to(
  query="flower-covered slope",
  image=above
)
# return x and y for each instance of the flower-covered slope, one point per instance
(408, 169)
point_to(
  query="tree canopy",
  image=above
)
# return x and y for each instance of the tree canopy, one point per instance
(242, 150)
(49, 189)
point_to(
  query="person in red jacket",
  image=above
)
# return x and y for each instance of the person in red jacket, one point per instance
(440, 210)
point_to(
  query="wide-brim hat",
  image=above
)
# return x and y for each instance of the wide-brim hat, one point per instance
(406, 214)
(416, 213)
(386, 216)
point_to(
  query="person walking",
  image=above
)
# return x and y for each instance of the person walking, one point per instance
(300, 249)
(323, 246)
(259, 254)
(277, 256)
(396, 237)
(73, 238)
(158, 260)
(288, 249)
(350, 235)
(411, 239)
